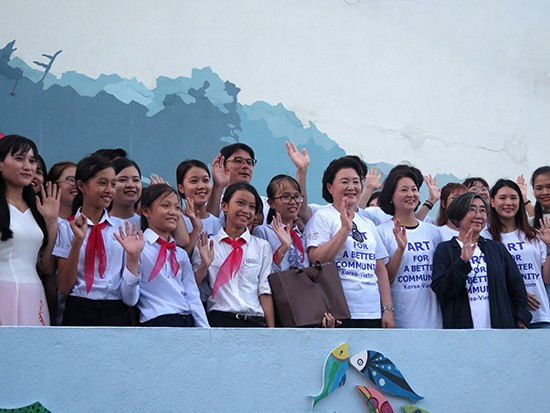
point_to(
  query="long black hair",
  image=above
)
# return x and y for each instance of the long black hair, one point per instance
(539, 213)
(86, 169)
(496, 227)
(15, 144)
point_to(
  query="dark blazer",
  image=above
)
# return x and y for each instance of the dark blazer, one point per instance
(507, 294)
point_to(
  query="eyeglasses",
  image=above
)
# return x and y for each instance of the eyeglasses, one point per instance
(69, 179)
(286, 199)
(239, 160)
(355, 234)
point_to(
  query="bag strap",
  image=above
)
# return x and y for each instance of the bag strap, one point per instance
(313, 272)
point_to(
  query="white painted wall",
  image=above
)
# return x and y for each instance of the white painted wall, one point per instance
(452, 86)
(261, 370)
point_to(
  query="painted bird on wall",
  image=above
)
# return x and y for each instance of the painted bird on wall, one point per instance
(334, 372)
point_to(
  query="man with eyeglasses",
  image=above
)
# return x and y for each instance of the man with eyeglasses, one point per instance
(234, 164)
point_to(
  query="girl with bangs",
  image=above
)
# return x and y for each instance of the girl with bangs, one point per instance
(287, 242)
(94, 270)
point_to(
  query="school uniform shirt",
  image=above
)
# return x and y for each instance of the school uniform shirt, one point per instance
(478, 289)
(356, 261)
(447, 233)
(166, 293)
(109, 287)
(529, 256)
(375, 214)
(293, 257)
(135, 219)
(241, 294)
(212, 225)
(416, 305)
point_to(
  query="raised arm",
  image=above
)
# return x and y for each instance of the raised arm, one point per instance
(220, 179)
(301, 162)
(433, 197)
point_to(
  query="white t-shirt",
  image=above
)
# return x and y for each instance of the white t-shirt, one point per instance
(415, 303)
(375, 214)
(530, 256)
(478, 290)
(447, 233)
(356, 261)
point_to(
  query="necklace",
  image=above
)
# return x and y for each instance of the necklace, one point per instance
(21, 206)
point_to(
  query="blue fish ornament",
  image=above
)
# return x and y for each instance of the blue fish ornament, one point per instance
(334, 372)
(382, 372)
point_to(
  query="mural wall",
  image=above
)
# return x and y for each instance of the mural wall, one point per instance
(457, 89)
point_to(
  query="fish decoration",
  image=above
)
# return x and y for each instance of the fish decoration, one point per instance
(334, 372)
(382, 372)
(31, 408)
(374, 400)
(409, 408)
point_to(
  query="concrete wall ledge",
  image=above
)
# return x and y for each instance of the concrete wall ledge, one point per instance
(260, 370)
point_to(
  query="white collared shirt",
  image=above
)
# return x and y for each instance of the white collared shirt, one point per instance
(135, 219)
(292, 256)
(166, 293)
(241, 295)
(111, 286)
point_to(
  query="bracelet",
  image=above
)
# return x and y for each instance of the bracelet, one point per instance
(428, 205)
(387, 308)
(527, 202)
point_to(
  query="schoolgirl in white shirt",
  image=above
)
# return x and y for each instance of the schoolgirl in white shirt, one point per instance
(508, 224)
(411, 245)
(237, 265)
(195, 188)
(91, 262)
(337, 233)
(167, 295)
(286, 240)
(127, 192)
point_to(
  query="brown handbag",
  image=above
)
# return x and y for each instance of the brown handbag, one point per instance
(303, 295)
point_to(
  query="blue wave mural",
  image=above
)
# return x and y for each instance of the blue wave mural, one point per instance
(185, 117)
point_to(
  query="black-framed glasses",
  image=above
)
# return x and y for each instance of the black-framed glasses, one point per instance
(286, 199)
(69, 179)
(239, 160)
(355, 234)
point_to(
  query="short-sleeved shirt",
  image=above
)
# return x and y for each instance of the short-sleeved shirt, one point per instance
(356, 261)
(416, 305)
(110, 285)
(529, 256)
(293, 257)
(241, 295)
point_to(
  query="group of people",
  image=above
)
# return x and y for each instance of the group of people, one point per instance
(83, 244)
